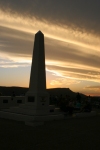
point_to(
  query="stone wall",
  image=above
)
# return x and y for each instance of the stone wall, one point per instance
(8, 101)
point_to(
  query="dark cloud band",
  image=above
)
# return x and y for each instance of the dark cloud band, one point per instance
(82, 15)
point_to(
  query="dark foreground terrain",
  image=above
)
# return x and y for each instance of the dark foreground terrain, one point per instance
(70, 134)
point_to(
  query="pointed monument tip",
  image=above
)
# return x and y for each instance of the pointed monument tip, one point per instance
(39, 32)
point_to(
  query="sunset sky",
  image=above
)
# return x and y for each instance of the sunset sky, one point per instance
(72, 42)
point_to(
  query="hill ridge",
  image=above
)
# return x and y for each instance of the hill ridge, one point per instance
(7, 91)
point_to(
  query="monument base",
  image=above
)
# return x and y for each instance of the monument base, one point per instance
(36, 120)
(36, 103)
(36, 110)
(32, 120)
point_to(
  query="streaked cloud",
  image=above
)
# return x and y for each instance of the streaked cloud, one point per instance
(93, 87)
(94, 90)
(80, 15)
(7, 63)
(61, 82)
(63, 58)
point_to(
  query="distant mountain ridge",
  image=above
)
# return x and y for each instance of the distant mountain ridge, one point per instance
(64, 92)
(7, 91)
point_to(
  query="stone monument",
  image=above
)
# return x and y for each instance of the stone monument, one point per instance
(36, 108)
(37, 95)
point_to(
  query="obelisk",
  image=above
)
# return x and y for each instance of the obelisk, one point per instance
(38, 74)
(37, 94)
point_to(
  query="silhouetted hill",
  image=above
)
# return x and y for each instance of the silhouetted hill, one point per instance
(7, 91)
(64, 92)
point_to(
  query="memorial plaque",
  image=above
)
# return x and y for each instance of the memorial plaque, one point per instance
(5, 101)
(19, 101)
(51, 110)
(43, 98)
(31, 98)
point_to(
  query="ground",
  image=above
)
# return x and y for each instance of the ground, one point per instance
(70, 134)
